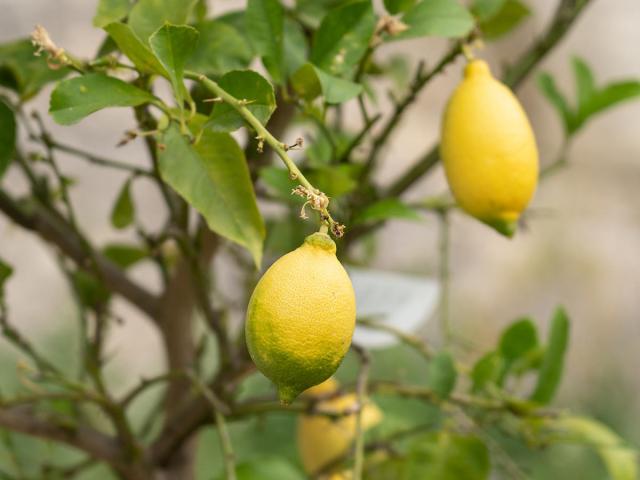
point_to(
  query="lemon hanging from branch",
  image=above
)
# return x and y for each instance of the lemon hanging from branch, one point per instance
(301, 317)
(489, 150)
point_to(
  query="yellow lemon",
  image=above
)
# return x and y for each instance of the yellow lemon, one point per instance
(322, 440)
(489, 150)
(301, 317)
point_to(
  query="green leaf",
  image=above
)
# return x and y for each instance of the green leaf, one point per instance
(448, 456)
(585, 83)
(439, 18)
(619, 458)
(147, 16)
(296, 46)
(213, 177)
(74, 99)
(137, 51)
(442, 375)
(310, 82)
(243, 85)
(389, 208)
(264, 21)
(518, 339)
(278, 182)
(110, 11)
(547, 86)
(221, 48)
(7, 136)
(487, 371)
(398, 6)
(343, 38)
(124, 255)
(5, 272)
(268, 468)
(23, 72)
(512, 13)
(553, 360)
(123, 212)
(172, 46)
(333, 180)
(90, 291)
(485, 9)
(609, 96)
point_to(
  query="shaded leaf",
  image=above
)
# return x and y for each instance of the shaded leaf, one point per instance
(122, 214)
(268, 468)
(618, 456)
(23, 72)
(335, 181)
(310, 82)
(214, 178)
(398, 6)
(89, 290)
(221, 48)
(442, 375)
(172, 46)
(553, 360)
(124, 255)
(386, 209)
(485, 9)
(110, 11)
(264, 21)
(487, 371)
(439, 18)
(74, 99)
(296, 47)
(278, 182)
(147, 16)
(343, 38)
(5, 272)
(137, 51)
(510, 15)
(243, 85)
(7, 136)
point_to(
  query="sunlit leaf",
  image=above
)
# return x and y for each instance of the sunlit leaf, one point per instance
(439, 18)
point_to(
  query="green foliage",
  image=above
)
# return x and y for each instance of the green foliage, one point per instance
(75, 98)
(23, 72)
(343, 38)
(5, 272)
(264, 20)
(442, 374)
(502, 21)
(110, 11)
(124, 255)
(590, 101)
(440, 18)
(213, 176)
(310, 82)
(173, 45)
(386, 209)
(244, 85)
(221, 48)
(137, 51)
(7, 136)
(398, 6)
(123, 212)
(147, 16)
(553, 360)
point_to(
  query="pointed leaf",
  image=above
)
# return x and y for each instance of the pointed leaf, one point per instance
(264, 21)
(343, 38)
(74, 99)
(553, 360)
(124, 255)
(442, 375)
(137, 51)
(213, 177)
(243, 85)
(172, 46)
(23, 72)
(439, 18)
(512, 14)
(7, 136)
(147, 16)
(123, 213)
(310, 82)
(5, 272)
(585, 83)
(611, 95)
(485, 9)
(547, 86)
(110, 11)
(487, 371)
(386, 209)
(618, 456)
(221, 48)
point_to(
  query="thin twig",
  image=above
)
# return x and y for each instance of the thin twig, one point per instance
(361, 391)
(444, 249)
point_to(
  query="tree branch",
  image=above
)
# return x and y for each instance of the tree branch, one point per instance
(60, 234)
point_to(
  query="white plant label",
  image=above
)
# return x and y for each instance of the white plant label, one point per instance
(403, 301)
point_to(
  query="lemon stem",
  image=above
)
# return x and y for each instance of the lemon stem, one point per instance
(324, 228)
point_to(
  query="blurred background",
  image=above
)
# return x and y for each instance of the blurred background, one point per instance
(580, 249)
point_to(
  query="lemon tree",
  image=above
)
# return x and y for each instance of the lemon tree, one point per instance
(253, 139)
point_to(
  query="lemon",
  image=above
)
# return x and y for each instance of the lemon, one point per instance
(489, 150)
(301, 317)
(322, 440)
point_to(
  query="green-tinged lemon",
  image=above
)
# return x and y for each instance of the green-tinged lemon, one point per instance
(301, 317)
(489, 150)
